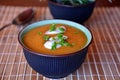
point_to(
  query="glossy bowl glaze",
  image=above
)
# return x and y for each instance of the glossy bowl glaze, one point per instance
(55, 66)
(68, 12)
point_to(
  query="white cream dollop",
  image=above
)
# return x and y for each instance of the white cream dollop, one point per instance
(48, 44)
(57, 31)
(52, 40)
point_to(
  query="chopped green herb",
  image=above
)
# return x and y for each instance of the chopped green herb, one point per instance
(46, 37)
(59, 35)
(73, 44)
(39, 33)
(53, 38)
(61, 29)
(62, 43)
(52, 27)
(54, 46)
(66, 44)
(76, 32)
(59, 39)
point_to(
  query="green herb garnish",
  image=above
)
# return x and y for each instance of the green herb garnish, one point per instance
(59, 35)
(61, 29)
(39, 33)
(59, 39)
(62, 42)
(54, 46)
(52, 27)
(76, 32)
(67, 44)
(46, 37)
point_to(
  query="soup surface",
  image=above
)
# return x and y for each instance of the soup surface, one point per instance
(69, 40)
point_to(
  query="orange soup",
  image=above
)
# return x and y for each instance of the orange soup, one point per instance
(55, 39)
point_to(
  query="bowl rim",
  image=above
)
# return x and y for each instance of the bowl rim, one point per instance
(71, 6)
(49, 55)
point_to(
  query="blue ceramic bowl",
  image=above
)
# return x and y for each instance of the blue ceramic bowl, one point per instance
(55, 66)
(68, 12)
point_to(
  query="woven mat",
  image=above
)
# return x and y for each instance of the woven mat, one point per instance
(101, 63)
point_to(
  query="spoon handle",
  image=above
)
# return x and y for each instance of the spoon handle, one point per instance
(4, 26)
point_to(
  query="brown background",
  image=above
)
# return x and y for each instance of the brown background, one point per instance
(44, 2)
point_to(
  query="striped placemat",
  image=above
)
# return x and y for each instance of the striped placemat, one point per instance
(101, 63)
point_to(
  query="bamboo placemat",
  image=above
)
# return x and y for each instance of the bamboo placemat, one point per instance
(103, 58)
